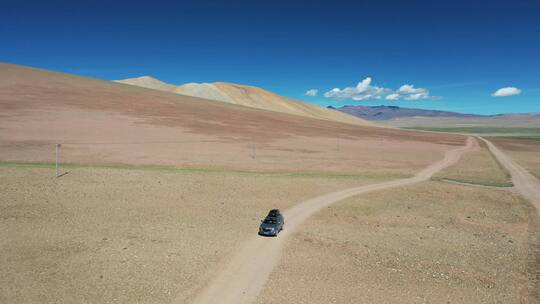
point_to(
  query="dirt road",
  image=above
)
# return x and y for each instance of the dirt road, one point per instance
(527, 185)
(241, 280)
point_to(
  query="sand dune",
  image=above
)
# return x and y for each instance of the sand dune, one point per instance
(248, 96)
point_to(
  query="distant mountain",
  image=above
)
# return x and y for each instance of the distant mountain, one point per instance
(520, 115)
(392, 112)
(248, 96)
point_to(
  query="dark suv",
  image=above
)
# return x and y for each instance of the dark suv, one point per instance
(272, 224)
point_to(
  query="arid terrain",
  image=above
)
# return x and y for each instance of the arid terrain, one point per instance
(424, 243)
(530, 120)
(109, 235)
(525, 151)
(101, 122)
(429, 243)
(526, 125)
(478, 167)
(162, 194)
(241, 282)
(243, 95)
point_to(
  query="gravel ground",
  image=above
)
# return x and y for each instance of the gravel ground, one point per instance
(525, 151)
(478, 167)
(428, 243)
(105, 235)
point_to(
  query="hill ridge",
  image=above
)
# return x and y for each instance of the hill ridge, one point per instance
(249, 96)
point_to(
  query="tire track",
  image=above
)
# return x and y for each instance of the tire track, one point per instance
(242, 279)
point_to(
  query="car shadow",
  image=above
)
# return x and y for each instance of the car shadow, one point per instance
(266, 235)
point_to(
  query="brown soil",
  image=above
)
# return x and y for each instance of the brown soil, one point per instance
(105, 122)
(107, 235)
(240, 282)
(428, 243)
(477, 167)
(525, 151)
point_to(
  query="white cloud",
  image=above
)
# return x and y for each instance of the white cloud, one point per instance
(410, 89)
(312, 92)
(409, 92)
(393, 96)
(418, 96)
(363, 85)
(507, 91)
(364, 91)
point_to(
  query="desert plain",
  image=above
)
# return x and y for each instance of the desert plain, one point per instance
(160, 192)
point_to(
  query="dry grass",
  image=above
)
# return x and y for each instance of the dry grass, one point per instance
(428, 243)
(525, 151)
(105, 235)
(477, 167)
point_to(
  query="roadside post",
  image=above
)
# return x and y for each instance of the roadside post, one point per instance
(57, 159)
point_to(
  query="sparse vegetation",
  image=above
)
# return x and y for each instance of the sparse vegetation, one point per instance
(156, 232)
(475, 182)
(164, 190)
(525, 151)
(71, 166)
(478, 167)
(429, 243)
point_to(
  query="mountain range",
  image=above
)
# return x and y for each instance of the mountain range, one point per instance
(383, 112)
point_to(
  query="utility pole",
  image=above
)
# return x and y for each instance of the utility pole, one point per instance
(252, 150)
(57, 159)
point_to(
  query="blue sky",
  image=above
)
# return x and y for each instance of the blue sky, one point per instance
(458, 53)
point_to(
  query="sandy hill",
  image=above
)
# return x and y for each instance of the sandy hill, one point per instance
(248, 96)
(106, 122)
(149, 83)
(204, 90)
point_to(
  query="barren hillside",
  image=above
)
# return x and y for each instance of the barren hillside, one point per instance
(149, 83)
(105, 122)
(248, 96)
